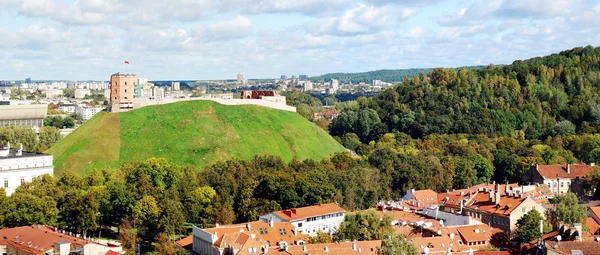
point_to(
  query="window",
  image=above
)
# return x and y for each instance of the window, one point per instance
(524, 209)
(22, 180)
(562, 184)
(6, 183)
(282, 231)
(125, 90)
(125, 83)
(300, 224)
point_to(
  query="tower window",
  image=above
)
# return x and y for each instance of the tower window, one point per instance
(125, 83)
(125, 90)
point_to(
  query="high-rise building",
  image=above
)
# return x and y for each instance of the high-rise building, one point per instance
(241, 78)
(122, 88)
(334, 85)
(175, 85)
(283, 76)
(303, 76)
(27, 80)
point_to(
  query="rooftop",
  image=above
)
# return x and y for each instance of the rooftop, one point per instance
(507, 204)
(571, 171)
(280, 231)
(36, 239)
(362, 247)
(12, 153)
(309, 211)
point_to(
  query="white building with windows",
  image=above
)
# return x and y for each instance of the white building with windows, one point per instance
(311, 219)
(18, 167)
(88, 112)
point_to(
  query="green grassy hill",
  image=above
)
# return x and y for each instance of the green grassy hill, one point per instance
(190, 133)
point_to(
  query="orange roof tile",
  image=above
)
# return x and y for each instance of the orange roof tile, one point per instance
(281, 231)
(309, 211)
(363, 247)
(426, 195)
(566, 247)
(552, 171)
(593, 225)
(507, 204)
(37, 240)
(596, 211)
(186, 242)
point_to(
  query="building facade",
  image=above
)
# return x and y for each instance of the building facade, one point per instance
(175, 86)
(23, 115)
(311, 219)
(18, 167)
(88, 112)
(122, 91)
(559, 178)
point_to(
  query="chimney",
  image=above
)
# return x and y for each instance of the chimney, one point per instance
(569, 168)
(354, 246)
(20, 151)
(217, 225)
(497, 199)
(272, 223)
(295, 231)
(492, 197)
(248, 226)
(286, 247)
(304, 249)
(326, 249)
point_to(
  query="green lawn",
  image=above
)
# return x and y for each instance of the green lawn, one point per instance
(191, 133)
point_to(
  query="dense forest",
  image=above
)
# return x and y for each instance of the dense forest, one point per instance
(386, 75)
(555, 95)
(368, 77)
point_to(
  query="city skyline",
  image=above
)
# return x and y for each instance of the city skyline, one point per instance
(214, 40)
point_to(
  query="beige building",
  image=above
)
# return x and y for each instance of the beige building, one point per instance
(32, 115)
(175, 86)
(122, 90)
(498, 208)
(559, 178)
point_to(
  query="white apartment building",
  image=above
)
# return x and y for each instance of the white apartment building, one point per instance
(81, 93)
(311, 219)
(68, 108)
(334, 85)
(88, 112)
(18, 167)
(54, 93)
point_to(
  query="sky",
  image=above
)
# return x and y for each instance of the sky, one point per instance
(217, 39)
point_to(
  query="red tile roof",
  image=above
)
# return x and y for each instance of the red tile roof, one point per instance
(112, 253)
(309, 211)
(281, 231)
(427, 196)
(507, 204)
(363, 247)
(186, 242)
(37, 240)
(566, 248)
(552, 171)
(593, 225)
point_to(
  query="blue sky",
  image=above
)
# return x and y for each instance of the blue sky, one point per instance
(216, 39)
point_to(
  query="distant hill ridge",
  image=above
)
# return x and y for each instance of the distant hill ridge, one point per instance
(190, 133)
(386, 75)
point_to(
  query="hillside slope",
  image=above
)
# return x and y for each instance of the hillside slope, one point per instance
(190, 133)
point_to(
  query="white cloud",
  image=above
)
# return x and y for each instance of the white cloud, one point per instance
(231, 29)
(291, 6)
(363, 19)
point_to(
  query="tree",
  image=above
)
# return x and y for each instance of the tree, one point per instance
(164, 246)
(397, 245)
(68, 122)
(22, 209)
(563, 128)
(146, 214)
(567, 210)
(48, 136)
(528, 227)
(321, 237)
